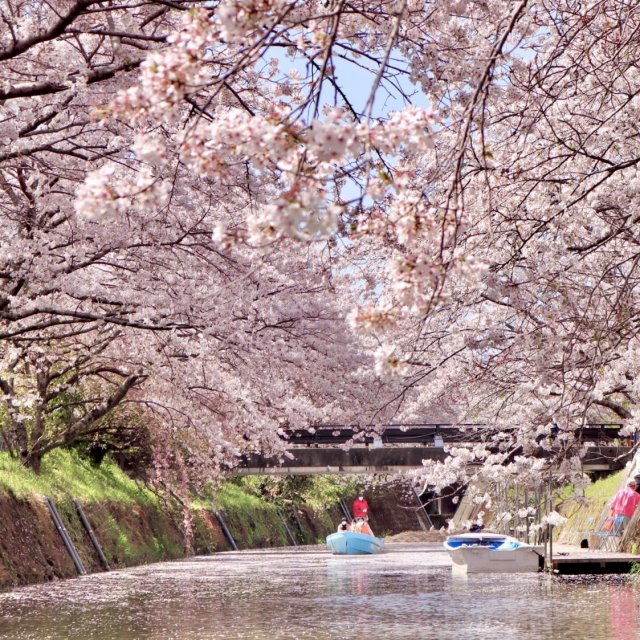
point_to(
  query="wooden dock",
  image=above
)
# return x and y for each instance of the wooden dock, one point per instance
(573, 560)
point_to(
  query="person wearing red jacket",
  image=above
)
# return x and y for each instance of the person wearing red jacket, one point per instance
(360, 507)
(624, 504)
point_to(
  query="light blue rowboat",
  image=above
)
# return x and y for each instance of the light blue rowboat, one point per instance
(351, 543)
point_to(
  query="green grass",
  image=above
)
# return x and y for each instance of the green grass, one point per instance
(252, 521)
(64, 473)
(583, 514)
(233, 497)
(604, 489)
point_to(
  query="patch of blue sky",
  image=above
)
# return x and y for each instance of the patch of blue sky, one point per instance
(350, 80)
(349, 85)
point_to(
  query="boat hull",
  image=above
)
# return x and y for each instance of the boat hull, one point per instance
(493, 554)
(351, 543)
(469, 560)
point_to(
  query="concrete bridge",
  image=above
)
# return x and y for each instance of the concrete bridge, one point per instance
(401, 446)
(426, 434)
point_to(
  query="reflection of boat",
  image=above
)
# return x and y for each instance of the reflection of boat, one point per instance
(492, 552)
(351, 543)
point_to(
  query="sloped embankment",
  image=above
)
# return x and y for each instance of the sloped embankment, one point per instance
(132, 524)
(583, 513)
(586, 513)
(31, 550)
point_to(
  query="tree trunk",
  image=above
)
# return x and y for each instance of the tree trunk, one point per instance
(31, 460)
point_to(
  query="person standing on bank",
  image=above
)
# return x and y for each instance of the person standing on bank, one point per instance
(624, 504)
(360, 507)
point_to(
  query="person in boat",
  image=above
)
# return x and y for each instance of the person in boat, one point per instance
(360, 507)
(360, 525)
(344, 526)
(623, 505)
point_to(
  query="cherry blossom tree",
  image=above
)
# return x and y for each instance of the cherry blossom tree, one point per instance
(485, 240)
(126, 291)
(225, 181)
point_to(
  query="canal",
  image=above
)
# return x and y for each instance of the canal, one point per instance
(405, 593)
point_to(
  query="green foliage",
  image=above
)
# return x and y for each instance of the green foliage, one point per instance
(65, 473)
(326, 520)
(251, 519)
(325, 491)
(125, 436)
(318, 492)
(583, 513)
(634, 573)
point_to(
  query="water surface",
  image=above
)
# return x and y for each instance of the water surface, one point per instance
(405, 593)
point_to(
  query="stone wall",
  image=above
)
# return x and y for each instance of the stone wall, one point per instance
(393, 509)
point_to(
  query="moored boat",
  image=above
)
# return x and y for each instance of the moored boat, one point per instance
(351, 543)
(492, 553)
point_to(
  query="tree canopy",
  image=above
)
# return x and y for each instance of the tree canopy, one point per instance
(248, 214)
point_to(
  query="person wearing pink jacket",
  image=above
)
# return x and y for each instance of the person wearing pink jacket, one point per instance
(624, 504)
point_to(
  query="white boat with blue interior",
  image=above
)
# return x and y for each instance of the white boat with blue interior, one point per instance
(492, 553)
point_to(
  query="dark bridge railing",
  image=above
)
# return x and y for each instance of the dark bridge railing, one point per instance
(426, 433)
(330, 460)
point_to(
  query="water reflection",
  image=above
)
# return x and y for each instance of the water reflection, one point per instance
(408, 592)
(624, 605)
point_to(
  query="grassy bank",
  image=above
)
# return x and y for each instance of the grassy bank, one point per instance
(118, 507)
(65, 474)
(583, 512)
(252, 507)
(134, 525)
(256, 506)
(252, 521)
